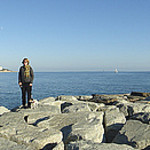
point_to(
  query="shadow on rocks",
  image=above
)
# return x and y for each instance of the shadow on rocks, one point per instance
(147, 148)
(64, 105)
(66, 131)
(123, 139)
(112, 131)
(49, 146)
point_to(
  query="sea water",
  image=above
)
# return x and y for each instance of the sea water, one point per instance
(53, 84)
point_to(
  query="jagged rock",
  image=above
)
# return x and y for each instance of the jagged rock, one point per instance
(86, 145)
(135, 98)
(59, 146)
(143, 117)
(67, 98)
(3, 110)
(13, 119)
(85, 98)
(39, 138)
(13, 126)
(129, 108)
(114, 121)
(29, 135)
(106, 99)
(148, 98)
(106, 107)
(82, 106)
(47, 101)
(76, 108)
(34, 118)
(5, 144)
(42, 108)
(140, 94)
(77, 126)
(134, 133)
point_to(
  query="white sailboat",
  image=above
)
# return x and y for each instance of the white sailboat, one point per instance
(116, 71)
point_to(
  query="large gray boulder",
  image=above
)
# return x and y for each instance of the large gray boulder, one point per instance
(59, 146)
(3, 110)
(54, 109)
(14, 127)
(38, 138)
(47, 101)
(83, 106)
(113, 121)
(77, 126)
(134, 133)
(84, 98)
(76, 108)
(12, 119)
(143, 117)
(5, 144)
(67, 98)
(129, 108)
(86, 145)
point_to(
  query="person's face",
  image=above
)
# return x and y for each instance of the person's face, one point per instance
(25, 63)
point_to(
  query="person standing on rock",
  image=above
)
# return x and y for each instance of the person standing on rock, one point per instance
(25, 80)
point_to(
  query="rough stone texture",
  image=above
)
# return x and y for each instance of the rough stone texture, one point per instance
(43, 108)
(134, 133)
(84, 118)
(106, 107)
(143, 117)
(85, 98)
(67, 98)
(82, 106)
(140, 94)
(37, 138)
(47, 101)
(35, 117)
(129, 108)
(3, 110)
(76, 108)
(59, 146)
(12, 119)
(29, 135)
(84, 145)
(135, 98)
(106, 99)
(77, 126)
(14, 127)
(147, 98)
(113, 120)
(5, 144)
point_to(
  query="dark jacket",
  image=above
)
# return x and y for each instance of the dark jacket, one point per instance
(21, 76)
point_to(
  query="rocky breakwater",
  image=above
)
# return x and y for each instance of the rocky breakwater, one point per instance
(79, 122)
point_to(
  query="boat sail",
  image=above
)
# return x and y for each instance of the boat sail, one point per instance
(116, 71)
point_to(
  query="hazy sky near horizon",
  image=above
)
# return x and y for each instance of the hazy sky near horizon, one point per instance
(75, 35)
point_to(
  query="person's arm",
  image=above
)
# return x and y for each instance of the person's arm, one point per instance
(19, 77)
(32, 76)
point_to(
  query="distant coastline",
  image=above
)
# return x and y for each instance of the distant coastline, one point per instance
(6, 70)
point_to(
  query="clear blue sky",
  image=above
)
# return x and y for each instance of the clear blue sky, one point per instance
(75, 35)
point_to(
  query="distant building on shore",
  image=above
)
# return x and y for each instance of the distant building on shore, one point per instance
(1, 68)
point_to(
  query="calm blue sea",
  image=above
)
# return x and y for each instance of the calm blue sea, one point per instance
(73, 83)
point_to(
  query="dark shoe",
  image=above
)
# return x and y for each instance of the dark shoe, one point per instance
(24, 107)
(29, 106)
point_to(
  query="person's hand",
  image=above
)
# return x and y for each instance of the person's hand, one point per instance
(20, 83)
(30, 84)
